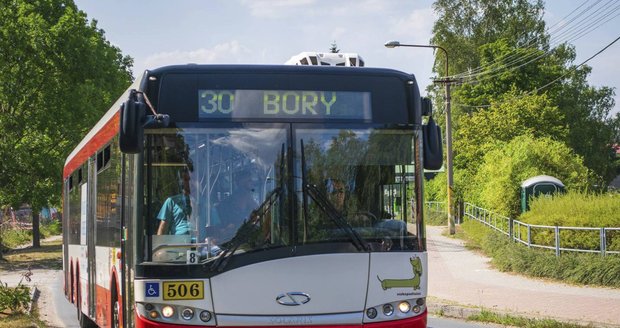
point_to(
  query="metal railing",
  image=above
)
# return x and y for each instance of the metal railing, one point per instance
(572, 239)
(436, 207)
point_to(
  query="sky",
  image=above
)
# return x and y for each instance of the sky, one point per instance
(162, 32)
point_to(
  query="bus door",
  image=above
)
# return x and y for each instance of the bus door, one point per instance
(90, 235)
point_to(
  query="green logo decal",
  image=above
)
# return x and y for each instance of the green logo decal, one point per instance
(416, 265)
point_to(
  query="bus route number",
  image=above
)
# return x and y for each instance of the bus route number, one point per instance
(183, 290)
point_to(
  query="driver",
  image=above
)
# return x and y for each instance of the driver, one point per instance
(175, 212)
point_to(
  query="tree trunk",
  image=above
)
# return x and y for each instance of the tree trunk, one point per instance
(36, 235)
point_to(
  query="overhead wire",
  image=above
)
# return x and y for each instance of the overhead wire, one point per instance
(574, 68)
(585, 26)
(511, 55)
(534, 56)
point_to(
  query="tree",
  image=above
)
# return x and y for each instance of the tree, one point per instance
(463, 26)
(58, 74)
(507, 41)
(512, 115)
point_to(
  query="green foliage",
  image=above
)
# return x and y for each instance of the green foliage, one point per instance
(515, 114)
(58, 74)
(510, 90)
(576, 209)
(12, 238)
(435, 188)
(496, 185)
(15, 299)
(463, 26)
(576, 268)
(51, 228)
(515, 321)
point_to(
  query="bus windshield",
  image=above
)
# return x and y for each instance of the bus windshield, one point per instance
(214, 192)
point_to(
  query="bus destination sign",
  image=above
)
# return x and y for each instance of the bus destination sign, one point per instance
(284, 104)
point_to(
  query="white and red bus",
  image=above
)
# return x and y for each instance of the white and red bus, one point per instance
(216, 195)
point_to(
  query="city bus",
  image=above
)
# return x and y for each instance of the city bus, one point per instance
(252, 195)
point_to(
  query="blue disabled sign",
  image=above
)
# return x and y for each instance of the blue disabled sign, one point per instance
(151, 289)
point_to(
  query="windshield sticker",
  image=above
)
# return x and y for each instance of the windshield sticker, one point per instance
(416, 265)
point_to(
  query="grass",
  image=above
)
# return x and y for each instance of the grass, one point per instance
(582, 269)
(12, 238)
(20, 320)
(516, 321)
(434, 218)
(48, 256)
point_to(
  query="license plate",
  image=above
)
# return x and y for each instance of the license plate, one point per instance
(183, 290)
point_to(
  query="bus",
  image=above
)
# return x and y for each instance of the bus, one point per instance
(252, 195)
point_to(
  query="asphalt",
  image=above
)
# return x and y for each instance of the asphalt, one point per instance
(462, 282)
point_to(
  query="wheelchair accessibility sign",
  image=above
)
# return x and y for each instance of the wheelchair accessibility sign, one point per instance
(151, 289)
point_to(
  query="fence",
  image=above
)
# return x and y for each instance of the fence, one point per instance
(572, 239)
(436, 207)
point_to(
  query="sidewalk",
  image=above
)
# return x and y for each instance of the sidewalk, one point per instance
(41, 279)
(457, 275)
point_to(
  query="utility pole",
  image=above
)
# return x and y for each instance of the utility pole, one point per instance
(446, 81)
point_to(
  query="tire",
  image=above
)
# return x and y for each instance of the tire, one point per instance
(116, 308)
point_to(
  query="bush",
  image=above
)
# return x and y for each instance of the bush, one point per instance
(53, 228)
(15, 299)
(577, 268)
(575, 209)
(498, 180)
(12, 238)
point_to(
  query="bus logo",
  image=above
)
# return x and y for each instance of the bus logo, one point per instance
(293, 298)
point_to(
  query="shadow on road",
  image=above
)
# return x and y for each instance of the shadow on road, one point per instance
(45, 257)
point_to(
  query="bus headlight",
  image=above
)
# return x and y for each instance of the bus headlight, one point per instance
(187, 314)
(404, 306)
(167, 311)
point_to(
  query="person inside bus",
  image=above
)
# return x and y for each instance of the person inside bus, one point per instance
(238, 208)
(175, 212)
(339, 197)
(337, 193)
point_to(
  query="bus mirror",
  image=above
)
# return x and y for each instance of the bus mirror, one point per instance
(433, 152)
(427, 107)
(131, 139)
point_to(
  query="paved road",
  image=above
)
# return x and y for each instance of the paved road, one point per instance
(464, 277)
(457, 276)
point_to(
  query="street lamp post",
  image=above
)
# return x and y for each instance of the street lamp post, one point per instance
(446, 81)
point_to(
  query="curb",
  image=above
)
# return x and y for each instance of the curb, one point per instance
(34, 296)
(450, 309)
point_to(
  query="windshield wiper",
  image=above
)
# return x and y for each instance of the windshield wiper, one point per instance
(327, 207)
(335, 216)
(246, 230)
